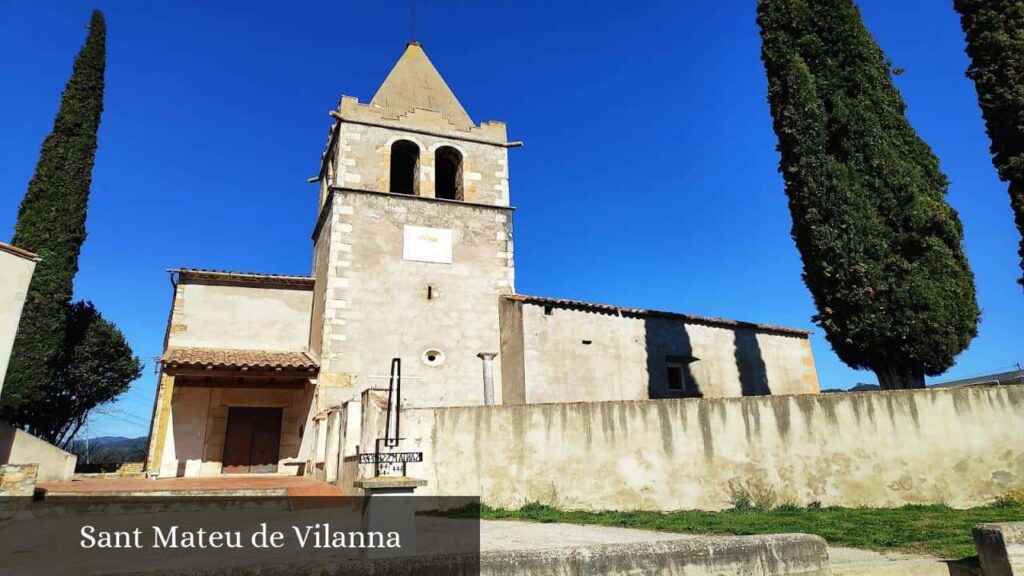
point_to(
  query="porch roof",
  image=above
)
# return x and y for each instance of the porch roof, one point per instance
(230, 359)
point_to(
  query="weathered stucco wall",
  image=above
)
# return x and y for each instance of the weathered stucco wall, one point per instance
(198, 423)
(20, 447)
(209, 315)
(16, 271)
(573, 355)
(379, 304)
(959, 446)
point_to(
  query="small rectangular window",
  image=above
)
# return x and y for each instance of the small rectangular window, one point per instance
(675, 377)
(680, 375)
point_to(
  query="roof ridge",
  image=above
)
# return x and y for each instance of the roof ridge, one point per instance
(649, 312)
(14, 250)
(244, 277)
(238, 273)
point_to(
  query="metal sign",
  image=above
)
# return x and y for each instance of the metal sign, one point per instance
(390, 457)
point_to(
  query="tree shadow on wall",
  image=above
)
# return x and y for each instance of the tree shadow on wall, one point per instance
(667, 346)
(750, 364)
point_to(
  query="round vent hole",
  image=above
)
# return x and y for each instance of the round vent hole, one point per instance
(433, 357)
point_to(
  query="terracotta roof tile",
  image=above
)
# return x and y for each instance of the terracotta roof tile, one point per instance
(244, 277)
(5, 247)
(236, 359)
(609, 309)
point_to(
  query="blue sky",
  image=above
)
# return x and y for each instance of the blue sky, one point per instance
(648, 176)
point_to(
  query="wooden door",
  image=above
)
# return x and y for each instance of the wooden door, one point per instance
(253, 440)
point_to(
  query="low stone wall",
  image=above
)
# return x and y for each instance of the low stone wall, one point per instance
(957, 446)
(19, 447)
(18, 480)
(109, 470)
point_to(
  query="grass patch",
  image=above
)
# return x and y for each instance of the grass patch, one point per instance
(936, 530)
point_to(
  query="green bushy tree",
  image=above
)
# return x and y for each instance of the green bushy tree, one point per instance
(881, 249)
(57, 353)
(98, 366)
(995, 44)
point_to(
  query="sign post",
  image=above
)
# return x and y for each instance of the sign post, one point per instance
(388, 506)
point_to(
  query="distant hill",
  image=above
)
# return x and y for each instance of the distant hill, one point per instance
(110, 449)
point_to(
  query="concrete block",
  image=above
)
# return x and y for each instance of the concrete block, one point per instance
(193, 467)
(1000, 548)
(965, 567)
(770, 555)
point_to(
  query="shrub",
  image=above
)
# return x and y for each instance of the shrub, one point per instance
(752, 495)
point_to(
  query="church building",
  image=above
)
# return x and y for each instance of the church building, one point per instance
(413, 259)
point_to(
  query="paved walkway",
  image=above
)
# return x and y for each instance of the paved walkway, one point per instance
(495, 535)
(504, 535)
(507, 535)
(854, 562)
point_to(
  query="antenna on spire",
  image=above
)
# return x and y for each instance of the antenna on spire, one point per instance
(412, 21)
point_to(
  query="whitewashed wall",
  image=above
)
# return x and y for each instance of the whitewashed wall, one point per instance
(958, 446)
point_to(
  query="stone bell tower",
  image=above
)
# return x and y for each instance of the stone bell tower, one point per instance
(413, 242)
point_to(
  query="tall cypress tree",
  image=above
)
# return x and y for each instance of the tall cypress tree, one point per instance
(995, 44)
(881, 249)
(51, 223)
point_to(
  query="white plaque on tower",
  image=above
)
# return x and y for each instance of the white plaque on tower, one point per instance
(428, 244)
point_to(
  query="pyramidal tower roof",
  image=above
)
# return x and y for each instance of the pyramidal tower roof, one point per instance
(415, 83)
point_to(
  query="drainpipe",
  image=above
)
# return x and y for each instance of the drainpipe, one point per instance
(488, 360)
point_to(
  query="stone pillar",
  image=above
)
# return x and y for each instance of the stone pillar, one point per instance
(331, 457)
(488, 361)
(161, 420)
